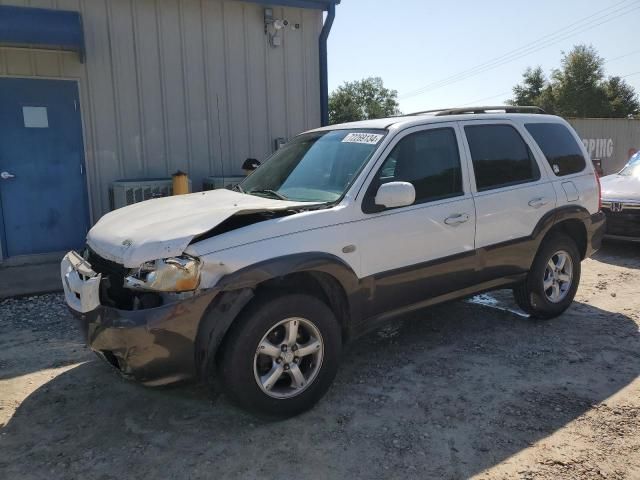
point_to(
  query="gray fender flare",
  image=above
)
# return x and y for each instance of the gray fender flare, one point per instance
(235, 291)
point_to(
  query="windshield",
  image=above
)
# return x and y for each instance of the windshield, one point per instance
(633, 167)
(314, 167)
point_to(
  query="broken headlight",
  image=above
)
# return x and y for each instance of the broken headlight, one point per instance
(178, 274)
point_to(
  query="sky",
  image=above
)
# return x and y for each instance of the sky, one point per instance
(440, 54)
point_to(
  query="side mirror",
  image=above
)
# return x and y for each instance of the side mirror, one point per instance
(395, 194)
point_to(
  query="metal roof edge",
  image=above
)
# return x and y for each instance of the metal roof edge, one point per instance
(601, 118)
(315, 4)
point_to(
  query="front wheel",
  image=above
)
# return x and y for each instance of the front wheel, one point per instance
(281, 355)
(553, 280)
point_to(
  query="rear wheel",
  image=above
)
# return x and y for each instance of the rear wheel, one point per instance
(281, 355)
(553, 280)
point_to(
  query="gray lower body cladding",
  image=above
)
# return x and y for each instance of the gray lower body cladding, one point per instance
(154, 346)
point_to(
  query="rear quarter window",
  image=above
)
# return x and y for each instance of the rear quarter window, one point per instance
(559, 147)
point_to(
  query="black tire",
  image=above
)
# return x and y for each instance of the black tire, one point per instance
(238, 354)
(530, 295)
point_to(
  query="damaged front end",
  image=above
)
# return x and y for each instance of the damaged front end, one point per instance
(167, 280)
(140, 294)
(146, 335)
(177, 274)
(151, 285)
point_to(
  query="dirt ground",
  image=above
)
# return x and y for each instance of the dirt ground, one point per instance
(457, 391)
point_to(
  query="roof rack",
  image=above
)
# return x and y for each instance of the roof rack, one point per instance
(490, 109)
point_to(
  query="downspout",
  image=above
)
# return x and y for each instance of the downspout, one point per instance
(324, 69)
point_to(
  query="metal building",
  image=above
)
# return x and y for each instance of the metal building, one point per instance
(92, 91)
(611, 142)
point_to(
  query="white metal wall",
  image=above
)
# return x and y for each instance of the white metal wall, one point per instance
(180, 84)
(610, 140)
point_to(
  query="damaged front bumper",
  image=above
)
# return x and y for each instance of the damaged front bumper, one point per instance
(154, 346)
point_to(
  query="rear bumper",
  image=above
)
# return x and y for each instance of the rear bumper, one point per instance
(596, 227)
(154, 346)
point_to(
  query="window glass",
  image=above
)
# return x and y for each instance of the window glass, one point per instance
(558, 145)
(314, 167)
(500, 156)
(429, 160)
(632, 168)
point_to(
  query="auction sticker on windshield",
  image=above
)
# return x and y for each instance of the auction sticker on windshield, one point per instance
(368, 138)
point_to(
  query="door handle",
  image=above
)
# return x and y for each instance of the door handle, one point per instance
(538, 202)
(457, 219)
(6, 176)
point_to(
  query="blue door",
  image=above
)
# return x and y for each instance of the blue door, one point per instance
(43, 197)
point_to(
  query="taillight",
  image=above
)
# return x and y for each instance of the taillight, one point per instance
(599, 192)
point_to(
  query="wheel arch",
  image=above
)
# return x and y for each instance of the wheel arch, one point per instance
(576, 230)
(319, 284)
(570, 220)
(319, 274)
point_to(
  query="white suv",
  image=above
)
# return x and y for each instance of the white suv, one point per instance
(258, 289)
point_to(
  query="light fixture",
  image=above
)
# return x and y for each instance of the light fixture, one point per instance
(273, 26)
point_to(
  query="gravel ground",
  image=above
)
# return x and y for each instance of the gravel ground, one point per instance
(456, 391)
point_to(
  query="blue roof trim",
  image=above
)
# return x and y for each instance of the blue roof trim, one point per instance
(42, 28)
(317, 4)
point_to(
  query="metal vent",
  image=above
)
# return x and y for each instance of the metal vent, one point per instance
(214, 183)
(128, 192)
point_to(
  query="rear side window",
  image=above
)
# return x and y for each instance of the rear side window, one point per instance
(558, 145)
(500, 156)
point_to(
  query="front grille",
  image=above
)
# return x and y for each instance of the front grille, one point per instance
(104, 266)
(112, 291)
(624, 224)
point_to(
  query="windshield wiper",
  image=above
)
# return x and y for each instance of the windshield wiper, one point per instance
(238, 188)
(271, 193)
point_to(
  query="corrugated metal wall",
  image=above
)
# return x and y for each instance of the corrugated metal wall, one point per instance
(181, 84)
(610, 140)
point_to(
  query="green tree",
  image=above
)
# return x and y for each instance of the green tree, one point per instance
(578, 89)
(622, 98)
(579, 85)
(533, 84)
(362, 100)
(535, 90)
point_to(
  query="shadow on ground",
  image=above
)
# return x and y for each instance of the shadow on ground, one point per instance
(445, 393)
(620, 254)
(38, 333)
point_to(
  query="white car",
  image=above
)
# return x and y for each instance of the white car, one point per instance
(344, 228)
(621, 202)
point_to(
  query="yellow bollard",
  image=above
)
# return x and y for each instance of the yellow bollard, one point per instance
(180, 183)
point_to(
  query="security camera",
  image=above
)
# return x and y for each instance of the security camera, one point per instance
(280, 24)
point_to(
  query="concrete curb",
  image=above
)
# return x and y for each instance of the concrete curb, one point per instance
(27, 280)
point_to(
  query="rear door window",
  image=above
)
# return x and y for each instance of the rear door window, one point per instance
(559, 146)
(500, 156)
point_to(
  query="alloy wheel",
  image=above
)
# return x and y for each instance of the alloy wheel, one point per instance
(288, 358)
(558, 276)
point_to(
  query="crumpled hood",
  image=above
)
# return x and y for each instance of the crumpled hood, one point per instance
(620, 187)
(164, 227)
